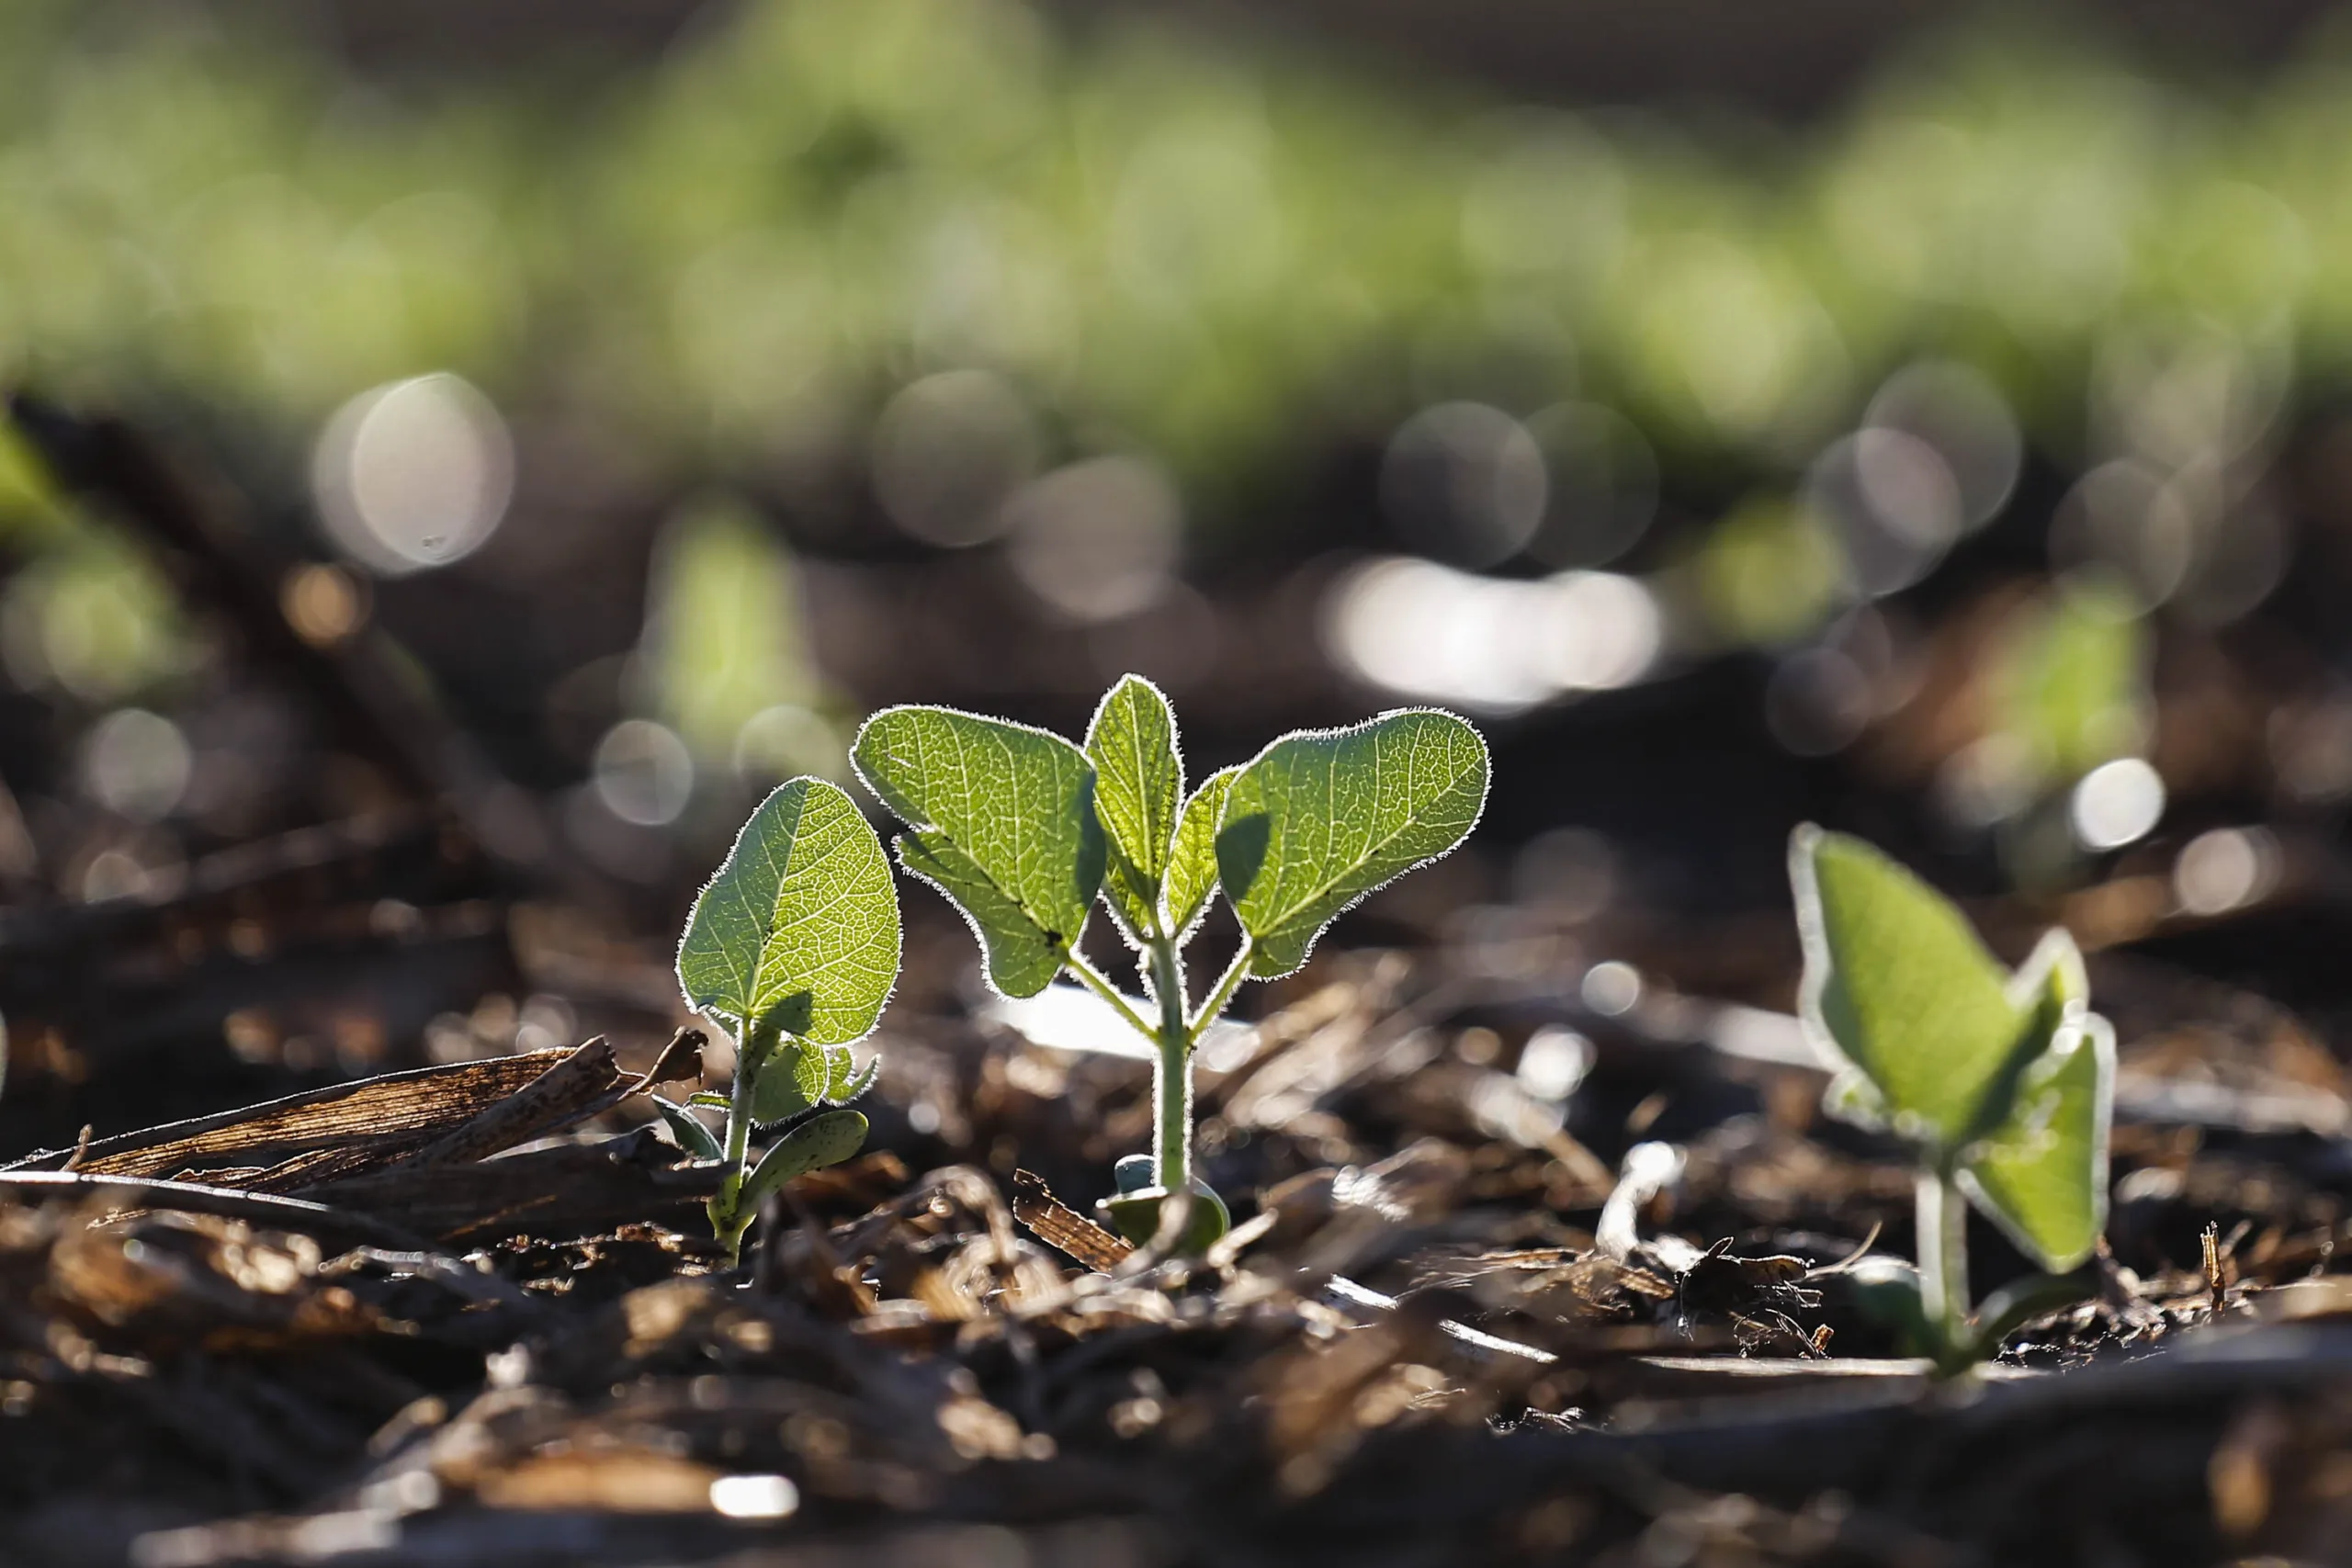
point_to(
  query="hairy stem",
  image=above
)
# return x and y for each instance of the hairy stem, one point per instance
(1171, 1083)
(1943, 1257)
(726, 1216)
(1213, 1007)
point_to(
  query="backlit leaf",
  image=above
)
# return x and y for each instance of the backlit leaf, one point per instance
(1898, 992)
(1319, 818)
(794, 1078)
(1138, 788)
(1005, 824)
(2041, 1174)
(1191, 864)
(798, 930)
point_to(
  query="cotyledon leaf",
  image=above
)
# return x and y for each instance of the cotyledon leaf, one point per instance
(1319, 818)
(1926, 1024)
(1138, 788)
(1191, 864)
(1004, 825)
(2041, 1173)
(798, 930)
(820, 1141)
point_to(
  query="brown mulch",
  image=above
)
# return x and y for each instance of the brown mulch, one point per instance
(458, 1316)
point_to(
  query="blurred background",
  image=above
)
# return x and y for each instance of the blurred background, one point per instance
(462, 456)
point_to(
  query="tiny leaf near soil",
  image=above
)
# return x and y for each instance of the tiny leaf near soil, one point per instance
(690, 1134)
(1898, 991)
(1319, 818)
(1003, 822)
(1138, 789)
(798, 930)
(1192, 862)
(822, 1140)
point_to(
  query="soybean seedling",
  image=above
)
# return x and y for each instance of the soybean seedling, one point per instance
(2001, 1084)
(793, 949)
(1024, 832)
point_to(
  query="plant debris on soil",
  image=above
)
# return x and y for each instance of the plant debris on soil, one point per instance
(1533, 1260)
(427, 1316)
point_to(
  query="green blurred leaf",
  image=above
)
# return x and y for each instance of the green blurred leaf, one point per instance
(793, 1078)
(2041, 1173)
(1138, 787)
(2070, 680)
(798, 930)
(724, 637)
(1191, 864)
(1319, 819)
(1005, 827)
(822, 1140)
(2011, 1074)
(1898, 989)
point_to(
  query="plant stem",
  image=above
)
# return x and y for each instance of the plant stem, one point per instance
(1943, 1257)
(1213, 1007)
(725, 1219)
(1093, 979)
(1171, 1083)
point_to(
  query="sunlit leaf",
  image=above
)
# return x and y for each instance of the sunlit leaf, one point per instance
(2041, 1173)
(1004, 825)
(1321, 818)
(1899, 992)
(1191, 864)
(798, 930)
(792, 1079)
(1138, 788)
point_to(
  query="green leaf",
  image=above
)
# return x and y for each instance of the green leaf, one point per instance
(793, 1079)
(2041, 1173)
(1005, 824)
(1319, 818)
(691, 1134)
(2069, 679)
(798, 930)
(848, 1081)
(1191, 864)
(1901, 996)
(1138, 786)
(820, 1141)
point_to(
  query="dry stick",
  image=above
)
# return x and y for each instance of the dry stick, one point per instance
(195, 1130)
(226, 1202)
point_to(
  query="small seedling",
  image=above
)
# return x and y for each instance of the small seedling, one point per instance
(793, 949)
(2002, 1084)
(1023, 831)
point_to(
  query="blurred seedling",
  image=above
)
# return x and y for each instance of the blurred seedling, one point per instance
(1023, 831)
(2001, 1084)
(793, 949)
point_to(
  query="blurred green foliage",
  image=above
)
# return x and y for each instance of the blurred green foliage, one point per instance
(2071, 682)
(737, 252)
